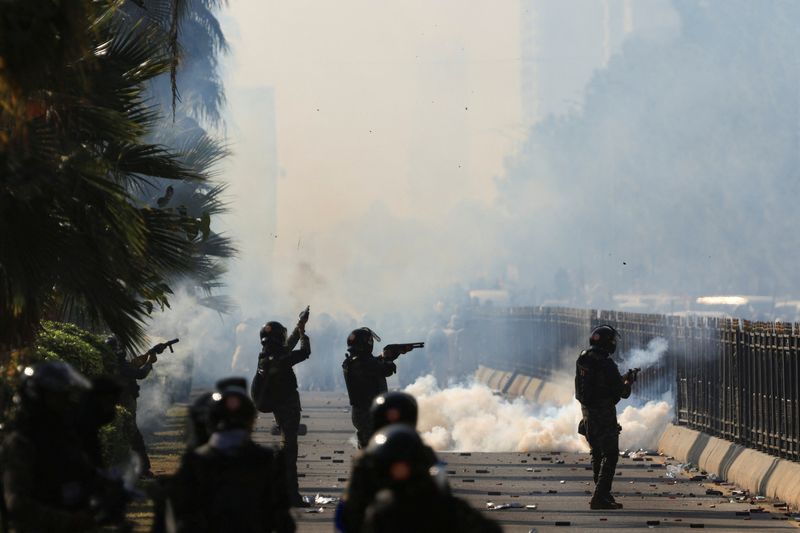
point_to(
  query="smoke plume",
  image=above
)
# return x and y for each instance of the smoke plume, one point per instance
(471, 417)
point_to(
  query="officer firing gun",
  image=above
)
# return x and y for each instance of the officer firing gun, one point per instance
(365, 375)
(151, 355)
(130, 371)
(393, 351)
(632, 375)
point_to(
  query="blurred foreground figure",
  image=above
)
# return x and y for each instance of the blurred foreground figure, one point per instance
(274, 389)
(365, 376)
(387, 409)
(599, 387)
(412, 499)
(49, 480)
(230, 484)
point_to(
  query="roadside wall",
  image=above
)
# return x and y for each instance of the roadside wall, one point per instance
(748, 469)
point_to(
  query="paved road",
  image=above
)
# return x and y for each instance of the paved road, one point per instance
(556, 483)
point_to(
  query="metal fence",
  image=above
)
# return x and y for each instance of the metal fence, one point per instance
(730, 378)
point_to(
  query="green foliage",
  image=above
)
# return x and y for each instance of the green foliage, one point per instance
(73, 159)
(115, 438)
(58, 341)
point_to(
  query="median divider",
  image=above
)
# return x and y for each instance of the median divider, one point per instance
(749, 469)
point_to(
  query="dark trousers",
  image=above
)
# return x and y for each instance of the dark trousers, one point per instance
(137, 441)
(287, 416)
(362, 421)
(602, 432)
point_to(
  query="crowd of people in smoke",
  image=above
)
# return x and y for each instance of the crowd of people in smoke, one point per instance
(54, 477)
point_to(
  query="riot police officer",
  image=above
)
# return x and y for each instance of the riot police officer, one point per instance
(49, 481)
(365, 377)
(411, 499)
(277, 390)
(131, 371)
(599, 387)
(231, 484)
(388, 408)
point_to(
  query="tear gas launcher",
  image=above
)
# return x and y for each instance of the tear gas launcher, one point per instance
(155, 350)
(393, 351)
(632, 374)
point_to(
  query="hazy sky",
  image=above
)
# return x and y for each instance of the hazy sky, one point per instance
(407, 108)
(363, 88)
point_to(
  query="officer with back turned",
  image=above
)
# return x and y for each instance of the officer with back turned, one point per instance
(49, 481)
(411, 497)
(230, 484)
(387, 409)
(599, 387)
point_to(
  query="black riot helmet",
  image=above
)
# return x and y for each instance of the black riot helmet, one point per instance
(52, 386)
(231, 407)
(113, 344)
(605, 338)
(396, 454)
(199, 421)
(362, 340)
(393, 407)
(273, 334)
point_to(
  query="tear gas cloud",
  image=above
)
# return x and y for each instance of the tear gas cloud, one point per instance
(384, 164)
(647, 357)
(471, 417)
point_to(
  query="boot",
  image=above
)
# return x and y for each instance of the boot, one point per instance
(603, 503)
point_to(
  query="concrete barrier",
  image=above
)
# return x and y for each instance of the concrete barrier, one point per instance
(498, 380)
(533, 390)
(483, 374)
(749, 469)
(518, 385)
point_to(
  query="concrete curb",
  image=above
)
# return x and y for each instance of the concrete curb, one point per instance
(516, 385)
(749, 469)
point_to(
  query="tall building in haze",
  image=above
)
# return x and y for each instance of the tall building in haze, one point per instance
(563, 42)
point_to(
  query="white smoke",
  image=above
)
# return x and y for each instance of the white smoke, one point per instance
(643, 426)
(647, 357)
(471, 417)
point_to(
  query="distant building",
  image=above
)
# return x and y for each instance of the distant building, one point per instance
(562, 43)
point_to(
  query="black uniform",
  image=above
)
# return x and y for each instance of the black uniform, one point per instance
(129, 375)
(599, 387)
(423, 508)
(47, 479)
(365, 377)
(279, 392)
(238, 489)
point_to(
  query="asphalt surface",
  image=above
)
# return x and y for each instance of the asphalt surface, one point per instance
(558, 484)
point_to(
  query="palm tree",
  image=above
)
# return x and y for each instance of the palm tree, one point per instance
(74, 161)
(191, 98)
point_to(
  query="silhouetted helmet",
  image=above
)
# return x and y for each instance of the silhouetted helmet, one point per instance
(113, 344)
(54, 385)
(273, 333)
(396, 454)
(199, 420)
(393, 408)
(605, 338)
(231, 408)
(361, 340)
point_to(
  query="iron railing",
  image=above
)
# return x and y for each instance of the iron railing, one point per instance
(730, 378)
